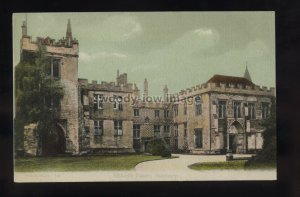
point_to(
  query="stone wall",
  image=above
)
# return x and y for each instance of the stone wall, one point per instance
(31, 140)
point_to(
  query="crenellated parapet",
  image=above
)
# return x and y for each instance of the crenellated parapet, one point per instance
(60, 47)
(227, 88)
(107, 86)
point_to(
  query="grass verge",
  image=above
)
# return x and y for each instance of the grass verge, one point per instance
(82, 163)
(232, 165)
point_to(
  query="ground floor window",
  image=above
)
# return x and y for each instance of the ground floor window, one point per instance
(136, 131)
(118, 130)
(157, 130)
(198, 138)
(98, 128)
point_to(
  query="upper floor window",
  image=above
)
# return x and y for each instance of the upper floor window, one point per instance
(166, 113)
(185, 108)
(265, 110)
(198, 105)
(176, 130)
(136, 131)
(136, 112)
(118, 129)
(98, 101)
(166, 128)
(185, 129)
(98, 128)
(251, 111)
(176, 110)
(53, 68)
(156, 113)
(237, 109)
(118, 103)
(222, 109)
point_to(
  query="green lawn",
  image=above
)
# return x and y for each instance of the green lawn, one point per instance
(231, 165)
(81, 163)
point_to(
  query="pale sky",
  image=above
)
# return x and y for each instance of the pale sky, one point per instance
(180, 49)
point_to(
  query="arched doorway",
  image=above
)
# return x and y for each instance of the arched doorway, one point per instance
(235, 138)
(54, 141)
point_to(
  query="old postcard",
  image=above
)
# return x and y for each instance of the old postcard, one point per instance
(144, 96)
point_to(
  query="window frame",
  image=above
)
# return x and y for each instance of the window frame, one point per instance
(166, 128)
(175, 130)
(136, 112)
(156, 130)
(118, 128)
(265, 110)
(237, 111)
(185, 108)
(200, 139)
(175, 108)
(156, 113)
(251, 111)
(185, 129)
(98, 101)
(118, 105)
(136, 131)
(222, 109)
(166, 113)
(97, 125)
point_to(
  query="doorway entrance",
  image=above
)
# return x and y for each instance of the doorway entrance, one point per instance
(234, 139)
(54, 141)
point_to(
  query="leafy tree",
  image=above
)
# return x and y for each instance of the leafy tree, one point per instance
(37, 95)
(268, 152)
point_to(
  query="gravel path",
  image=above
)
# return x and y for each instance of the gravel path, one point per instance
(159, 170)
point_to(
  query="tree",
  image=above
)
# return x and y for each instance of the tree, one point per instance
(37, 95)
(268, 152)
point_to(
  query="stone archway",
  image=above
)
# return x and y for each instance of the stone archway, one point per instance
(235, 138)
(54, 143)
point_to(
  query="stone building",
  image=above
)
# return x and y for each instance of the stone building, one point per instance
(221, 115)
(63, 57)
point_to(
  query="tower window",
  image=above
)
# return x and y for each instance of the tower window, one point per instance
(55, 68)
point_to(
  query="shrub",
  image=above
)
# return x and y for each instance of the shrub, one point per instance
(158, 147)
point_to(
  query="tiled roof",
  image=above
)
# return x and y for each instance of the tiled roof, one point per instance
(230, 79)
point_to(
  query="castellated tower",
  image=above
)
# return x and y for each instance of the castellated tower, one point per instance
(63, 55)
